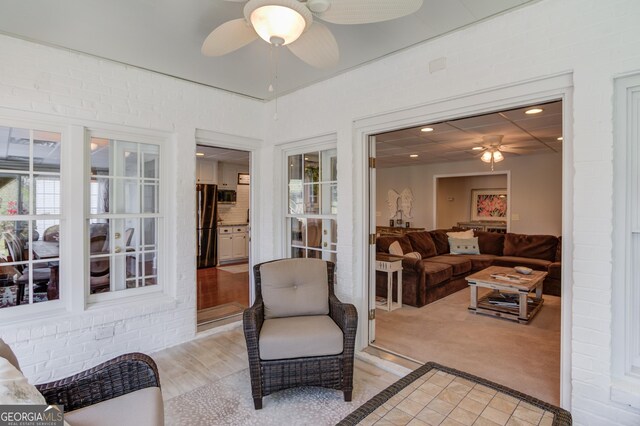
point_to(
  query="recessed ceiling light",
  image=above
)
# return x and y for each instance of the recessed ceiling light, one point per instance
(306, 158)
(413, 155)
(534, 111)
(560, 138)
(199, 154)
(477, 148)
(427, 129)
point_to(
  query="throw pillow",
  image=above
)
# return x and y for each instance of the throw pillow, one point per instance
(462, 234)
(464, 245)
(14, 387)
(414, 255)
(395, 249)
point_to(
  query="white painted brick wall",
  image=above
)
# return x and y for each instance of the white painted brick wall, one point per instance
(595, 40)
(36, 78)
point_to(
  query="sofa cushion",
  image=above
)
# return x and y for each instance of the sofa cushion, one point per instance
(464, 245)
(459, 265)
(558, 257)
(383, 243)
(7, 353)
(513, 261)
(422, 243)
(533, 246)
(441, 241)
(297, 337)
(15, 388)
(434, 273)
(479, 261)
(143, 407)
(294, 287)
(460, 234)
(490, 242)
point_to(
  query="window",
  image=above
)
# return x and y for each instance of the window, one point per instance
(312, 189)
(626, 271)
(124, 215)
(29, 216)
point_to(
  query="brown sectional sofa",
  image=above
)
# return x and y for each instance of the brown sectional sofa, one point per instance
(439, 274)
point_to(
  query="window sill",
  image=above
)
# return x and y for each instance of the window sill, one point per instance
(142, 304)
(626, 391)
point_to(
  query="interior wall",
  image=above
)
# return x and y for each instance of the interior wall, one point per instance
(536, 191)
(235, 214)
(453, 196)
(592, 40)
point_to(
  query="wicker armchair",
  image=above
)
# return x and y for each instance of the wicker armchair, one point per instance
(298, 365)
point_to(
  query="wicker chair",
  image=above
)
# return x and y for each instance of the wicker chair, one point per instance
(286, 346)
(106, 393)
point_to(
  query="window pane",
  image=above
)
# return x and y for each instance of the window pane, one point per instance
(46, 151)
(147, 265)
(13, 236)
(150, 198)
(298, 236)
(314, 254)
(312, 199)
(150, 230)
(127, 152)
(47, 194)
(127, 196)
(99, 189)
(311, 167)
(100, 156)
(298, 252)
(15, 155)
(295, 185)
(150, 161)
(14, 194)
(45, 277)
(314, 233)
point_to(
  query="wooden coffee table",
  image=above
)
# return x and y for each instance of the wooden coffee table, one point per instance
(505, 304)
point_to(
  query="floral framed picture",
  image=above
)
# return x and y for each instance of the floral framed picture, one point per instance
(489, 204)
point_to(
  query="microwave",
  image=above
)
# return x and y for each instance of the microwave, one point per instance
(226, 196)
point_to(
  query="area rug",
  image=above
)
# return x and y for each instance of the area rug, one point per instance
(235, 269)
(433, 394)
(228, 401)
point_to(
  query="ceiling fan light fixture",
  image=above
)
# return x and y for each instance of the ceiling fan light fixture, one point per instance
(486, 156)
(278, 22)
(477, 148)
(497, 156)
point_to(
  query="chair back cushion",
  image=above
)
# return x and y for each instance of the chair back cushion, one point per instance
(14, 387)
(7, 353)
(294, 287)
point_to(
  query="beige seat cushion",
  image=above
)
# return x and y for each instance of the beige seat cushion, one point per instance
(294, 287)
(297, 337)
(143, 407)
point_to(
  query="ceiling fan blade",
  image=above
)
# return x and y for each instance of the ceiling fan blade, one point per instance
(230, 36)
(236, 1)
(368, 11)
(517, 151)
(317, 47)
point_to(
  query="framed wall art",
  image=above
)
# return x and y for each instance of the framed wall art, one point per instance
(489, 204)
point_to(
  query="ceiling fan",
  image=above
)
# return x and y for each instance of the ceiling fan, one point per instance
(492, 149)
(293, 23)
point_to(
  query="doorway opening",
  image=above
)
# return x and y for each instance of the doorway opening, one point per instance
(223, 229)
(496, 179)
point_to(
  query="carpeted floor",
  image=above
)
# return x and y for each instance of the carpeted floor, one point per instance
(522, 357)
(228, 402)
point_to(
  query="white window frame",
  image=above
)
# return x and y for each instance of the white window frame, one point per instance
(625, 386)
(28, 310)
(163, 219)
(300, 150)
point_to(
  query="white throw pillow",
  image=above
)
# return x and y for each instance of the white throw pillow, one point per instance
(414, 255)
(14, 387)
(464, 245)
(395, 249)
(462, 234)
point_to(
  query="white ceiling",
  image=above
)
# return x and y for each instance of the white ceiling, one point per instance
(223, 154)
(454, 140)
(166, 36)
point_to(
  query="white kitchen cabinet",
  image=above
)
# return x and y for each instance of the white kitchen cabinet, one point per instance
(232, 243)
(228, 175)
(206, 171)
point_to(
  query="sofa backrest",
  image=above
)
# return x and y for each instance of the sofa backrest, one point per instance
(422, 243)
(559, 250)
(441, 240)
(383, 243)
(490, 242)
(532, 246)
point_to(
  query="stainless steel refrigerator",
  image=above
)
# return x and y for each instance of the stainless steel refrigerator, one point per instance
(207, 202)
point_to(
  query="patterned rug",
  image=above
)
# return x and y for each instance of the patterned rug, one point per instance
(437, 395)
(228, 401)
(235, 269)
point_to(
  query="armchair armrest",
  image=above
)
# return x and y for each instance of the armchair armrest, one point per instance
(252, 320)
(346, 316)
(117, 377)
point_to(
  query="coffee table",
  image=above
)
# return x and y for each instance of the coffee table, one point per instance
(522, 309)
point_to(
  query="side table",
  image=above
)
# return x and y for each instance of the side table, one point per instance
(390, 264)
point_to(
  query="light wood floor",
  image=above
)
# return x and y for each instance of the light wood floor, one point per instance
(525, 357)
(202, 361)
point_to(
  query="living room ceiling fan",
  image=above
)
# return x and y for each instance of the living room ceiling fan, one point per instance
(492, 149)
(293, 23)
